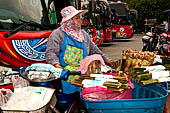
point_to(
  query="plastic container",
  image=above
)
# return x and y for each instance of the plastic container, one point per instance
(148, 99)
(48, 108)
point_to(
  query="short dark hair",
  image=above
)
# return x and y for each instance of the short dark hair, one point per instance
(155, 24)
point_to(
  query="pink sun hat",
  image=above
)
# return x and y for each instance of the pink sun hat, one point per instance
(69, 12)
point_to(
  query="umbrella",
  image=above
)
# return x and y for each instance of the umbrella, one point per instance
(166, 11)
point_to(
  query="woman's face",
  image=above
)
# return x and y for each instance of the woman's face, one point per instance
(76, 19)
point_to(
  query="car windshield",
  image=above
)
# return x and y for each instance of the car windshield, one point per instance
(119, 9)
(120, 13)
(13, 11)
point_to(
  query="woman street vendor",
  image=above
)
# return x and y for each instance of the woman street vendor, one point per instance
(68, 44)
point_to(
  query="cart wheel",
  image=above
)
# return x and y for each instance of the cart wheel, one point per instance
(52, 105)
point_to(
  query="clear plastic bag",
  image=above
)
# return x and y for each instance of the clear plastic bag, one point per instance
(5, 94)
(19, 82)
(29, 100)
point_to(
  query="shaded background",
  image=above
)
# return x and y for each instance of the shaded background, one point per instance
(148, 9)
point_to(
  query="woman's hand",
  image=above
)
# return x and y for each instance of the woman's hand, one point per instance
(57, 66)
(110, 63)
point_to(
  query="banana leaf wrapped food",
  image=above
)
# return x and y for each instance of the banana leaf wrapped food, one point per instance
(120, 90)
(77, 84)
(165, 60)
(116, 86)
(148, 82)
(120, 78)
(112, 84)
(134, 72)
(124, 86)
(145, 76)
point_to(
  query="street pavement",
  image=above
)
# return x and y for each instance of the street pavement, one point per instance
(114, 49)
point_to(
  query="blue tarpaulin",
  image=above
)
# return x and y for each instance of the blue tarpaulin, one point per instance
(166, 11)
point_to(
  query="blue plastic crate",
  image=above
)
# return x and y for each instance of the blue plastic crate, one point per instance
(148, 99)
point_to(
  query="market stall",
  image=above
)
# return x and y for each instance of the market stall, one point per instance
(138, 84)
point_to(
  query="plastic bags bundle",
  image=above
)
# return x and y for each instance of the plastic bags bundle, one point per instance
(28, 99)
(5, 94)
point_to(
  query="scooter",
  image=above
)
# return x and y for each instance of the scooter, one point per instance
(150, 42)
(66, 103)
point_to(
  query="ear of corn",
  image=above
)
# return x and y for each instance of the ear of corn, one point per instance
(134, 58)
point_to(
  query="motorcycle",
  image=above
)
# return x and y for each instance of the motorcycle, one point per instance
(46, 77)
(150, 42)
(66, 102)
(164, 44)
